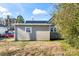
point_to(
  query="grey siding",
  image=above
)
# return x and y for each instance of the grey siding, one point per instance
(39, 32)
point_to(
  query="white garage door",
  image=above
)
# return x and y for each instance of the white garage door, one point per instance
(43, 35)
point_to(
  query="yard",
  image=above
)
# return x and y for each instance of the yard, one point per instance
(9, 47)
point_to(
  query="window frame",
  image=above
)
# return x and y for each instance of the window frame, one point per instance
(30, 29)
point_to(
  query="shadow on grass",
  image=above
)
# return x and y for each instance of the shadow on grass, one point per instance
(56, 39)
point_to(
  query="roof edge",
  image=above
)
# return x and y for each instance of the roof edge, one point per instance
(31, 24)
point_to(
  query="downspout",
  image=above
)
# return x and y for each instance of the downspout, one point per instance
(15, 34)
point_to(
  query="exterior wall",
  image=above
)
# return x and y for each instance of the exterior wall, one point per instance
(54, 35)
(39, 32)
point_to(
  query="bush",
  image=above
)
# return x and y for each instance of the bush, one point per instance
(67, 22)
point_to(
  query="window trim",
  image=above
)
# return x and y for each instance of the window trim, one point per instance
(30, 29)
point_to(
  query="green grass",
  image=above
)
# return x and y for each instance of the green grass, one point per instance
(9, 47)
(68, 50)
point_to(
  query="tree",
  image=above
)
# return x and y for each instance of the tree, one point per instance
(19, 19)
(67, 21)
(9, 21)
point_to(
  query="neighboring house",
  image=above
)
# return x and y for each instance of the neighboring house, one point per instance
(53, 27)
(2, 29)
(53, 30)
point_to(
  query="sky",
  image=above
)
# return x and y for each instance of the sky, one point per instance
(29, 11)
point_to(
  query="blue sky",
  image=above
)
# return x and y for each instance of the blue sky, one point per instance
(29, 11)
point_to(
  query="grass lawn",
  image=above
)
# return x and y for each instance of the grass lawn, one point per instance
(9, 47)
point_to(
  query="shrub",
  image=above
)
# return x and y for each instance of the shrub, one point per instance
(67, 22)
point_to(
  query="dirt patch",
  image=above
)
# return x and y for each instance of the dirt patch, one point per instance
(33, 48)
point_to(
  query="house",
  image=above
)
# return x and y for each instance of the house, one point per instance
(33, 30)
(3, 28)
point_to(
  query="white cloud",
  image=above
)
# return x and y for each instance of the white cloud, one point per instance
(38, 11)
(4, 11)
(8, 13)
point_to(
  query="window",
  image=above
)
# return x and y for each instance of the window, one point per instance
(53, 29)
(28, 29)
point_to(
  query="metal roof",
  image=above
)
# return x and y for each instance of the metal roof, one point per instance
(36, 21)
